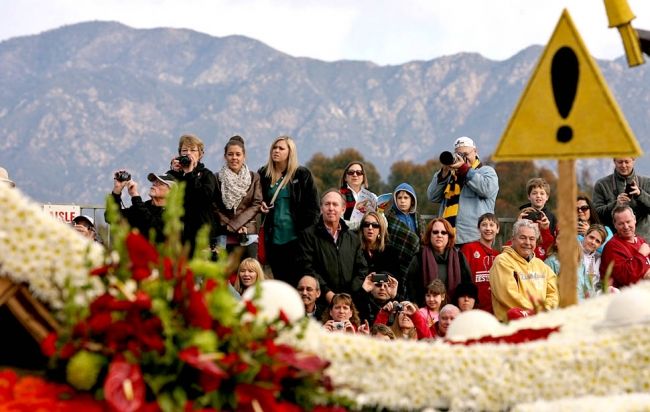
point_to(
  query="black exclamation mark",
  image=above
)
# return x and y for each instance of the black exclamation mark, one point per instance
(565, 71)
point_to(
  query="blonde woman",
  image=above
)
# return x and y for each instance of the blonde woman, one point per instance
(288, 212)
(249, 273)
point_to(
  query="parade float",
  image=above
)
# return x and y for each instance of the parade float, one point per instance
(140, 328)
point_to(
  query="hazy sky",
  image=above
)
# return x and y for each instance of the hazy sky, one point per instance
(386, 32)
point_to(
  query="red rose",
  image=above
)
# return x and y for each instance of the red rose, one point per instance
(48, 346)
(142, 254)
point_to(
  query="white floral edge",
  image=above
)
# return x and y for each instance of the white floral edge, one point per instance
(44, 253)
(581, 361)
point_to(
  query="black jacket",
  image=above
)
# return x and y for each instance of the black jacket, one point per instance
(339, 267)
(143, 216)
(200, 185)
(304, 206)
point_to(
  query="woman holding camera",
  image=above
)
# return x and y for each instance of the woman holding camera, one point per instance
(438, 259)
(200, 185)
(405, 320)
(587, 216)
(290, 206)
(380, 255)
(341, 315)
(237, 200)
(358, 199)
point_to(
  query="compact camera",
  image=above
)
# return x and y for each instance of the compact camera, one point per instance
(398, 307)
(122, 176)
(184, 160)
(339, 325)
(449, 158)
(380, 277)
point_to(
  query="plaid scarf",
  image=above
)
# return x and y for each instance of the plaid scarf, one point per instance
(452, 194)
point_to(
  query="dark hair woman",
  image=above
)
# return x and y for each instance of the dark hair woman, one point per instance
(237, 200)
(588, 216)
(294, 208)
(358, 199)
(438, 259)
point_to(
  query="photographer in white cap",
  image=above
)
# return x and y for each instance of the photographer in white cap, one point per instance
(144, 216)
(465, 189)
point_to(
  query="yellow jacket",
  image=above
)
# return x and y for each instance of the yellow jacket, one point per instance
(513, 279)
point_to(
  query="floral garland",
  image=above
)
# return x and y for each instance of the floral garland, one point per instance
(37, 250)
(588, 356)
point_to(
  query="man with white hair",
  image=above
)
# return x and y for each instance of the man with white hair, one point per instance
(518, 279)
(465, 189)
(447, 315)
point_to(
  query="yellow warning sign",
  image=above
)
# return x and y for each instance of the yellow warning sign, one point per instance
(566, 110)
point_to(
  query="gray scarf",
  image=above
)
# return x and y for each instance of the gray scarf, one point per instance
(234, 185)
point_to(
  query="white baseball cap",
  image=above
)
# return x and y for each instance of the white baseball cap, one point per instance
(464, 141)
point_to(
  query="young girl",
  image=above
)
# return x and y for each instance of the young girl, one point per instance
(433, 299)
(249, 273)
(480, 255)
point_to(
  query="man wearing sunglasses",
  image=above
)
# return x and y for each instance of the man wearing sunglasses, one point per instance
(375, 292)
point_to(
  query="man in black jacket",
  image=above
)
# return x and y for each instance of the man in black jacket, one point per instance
(200, 184)
(331, 252)
(145, 216)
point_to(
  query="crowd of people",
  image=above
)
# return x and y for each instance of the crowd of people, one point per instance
(384, 271)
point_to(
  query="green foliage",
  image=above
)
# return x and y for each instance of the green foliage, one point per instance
(328, 171)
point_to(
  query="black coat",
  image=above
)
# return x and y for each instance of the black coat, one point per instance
(200, 185)
(304, 206)
(339, 267)
(143, 216)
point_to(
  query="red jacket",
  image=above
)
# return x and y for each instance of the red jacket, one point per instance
(418, 321)
(629, 265)
(480, 260)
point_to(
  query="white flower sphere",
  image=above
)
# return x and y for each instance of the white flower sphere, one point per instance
(628, 307)
(276, 295)
(474, 324)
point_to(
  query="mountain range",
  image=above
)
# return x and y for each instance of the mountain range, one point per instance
(81, 101)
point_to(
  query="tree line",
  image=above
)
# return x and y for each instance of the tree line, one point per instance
(513, 176)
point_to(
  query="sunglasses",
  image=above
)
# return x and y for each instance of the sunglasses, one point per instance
(583, 208)
(372, 225)
(354, 172)
(439, 232)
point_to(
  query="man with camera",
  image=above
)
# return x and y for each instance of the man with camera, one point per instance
(624, 188)
(144, 216)
(377, 290)
(625, 254)
(200, 184)
(465, 189)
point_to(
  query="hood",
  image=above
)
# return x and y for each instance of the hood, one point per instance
(409, 189)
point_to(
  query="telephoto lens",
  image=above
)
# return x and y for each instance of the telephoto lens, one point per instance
(449, 158)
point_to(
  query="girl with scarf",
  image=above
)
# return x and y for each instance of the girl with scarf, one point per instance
(237, 201)
(438, 259)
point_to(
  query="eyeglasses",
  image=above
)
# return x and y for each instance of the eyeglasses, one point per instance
(305, 288)
(583, 208)
(185, 150)
(371, 225)
(439, 232)
(354, 172)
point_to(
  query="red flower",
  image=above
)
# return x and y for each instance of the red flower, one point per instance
(301, 361)
(31, 387)
(100, 322)
(8, 379)
(48, 345)
(250, 307)
(67, 351)
(101, 271)
(142, 255)
(211, 374)
(197, 311)
(124, 388)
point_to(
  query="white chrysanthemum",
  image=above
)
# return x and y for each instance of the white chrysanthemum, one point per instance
(37, 250)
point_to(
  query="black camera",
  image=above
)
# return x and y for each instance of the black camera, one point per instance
(534, 216)
(397, 307)
(380, 277)
(184, 160)
(449, 158)
(242, 238)
(628, 188)
(122, 176)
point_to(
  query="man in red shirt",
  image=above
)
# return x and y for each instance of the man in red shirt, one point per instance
(626, 253)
